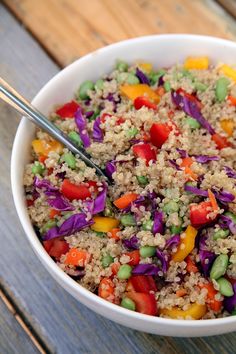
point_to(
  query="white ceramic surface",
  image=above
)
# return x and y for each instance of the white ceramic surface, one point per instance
(162, 50)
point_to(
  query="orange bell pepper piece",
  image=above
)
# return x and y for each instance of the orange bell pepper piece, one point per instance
(214, 304)
(195, 311)
(125, 200)
(228, 126)
(104, 224)
(77, 257)
(134, 91)
(198, 63)
(42, 147)
(186, 244)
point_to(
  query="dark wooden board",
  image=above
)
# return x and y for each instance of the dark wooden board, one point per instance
(62, 323)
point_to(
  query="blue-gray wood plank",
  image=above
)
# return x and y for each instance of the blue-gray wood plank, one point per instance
(62, 323)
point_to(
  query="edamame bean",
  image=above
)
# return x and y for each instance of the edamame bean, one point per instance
(147, 251)
(128, 220)
(142, 180)
(49, 224)
(192, 123)
(122, 65)
(132, 132)
(155, 76)
(95, 114)
(69, 159)
(147, 225)
(167, 86)
(75, 138)
(231, 216)
(128, 304)
(171, 207)
(99, 84)
(199, 86)
(124, 272)
(37, 168)
(176, 229)
(84, 88)
(225, 287)
(108, 208)
(221, 90)
(220, 234)
(132, 79)
(219, 266)
(107, 260)
(100, 234)
(187, 73)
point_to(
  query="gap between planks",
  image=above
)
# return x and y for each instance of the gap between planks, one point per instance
(21, 321)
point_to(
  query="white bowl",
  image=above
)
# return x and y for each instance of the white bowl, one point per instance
(163, 51)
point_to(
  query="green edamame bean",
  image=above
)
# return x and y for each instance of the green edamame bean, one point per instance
(142, 180)
(132, 79)
(220, 234)
(49, 224)
(75, 138)
(69, 159)
(192, 123)
(187, 73)
(124, 272)
(171, 207)
(219, 266)
(176, 229)
(95, 114)
(128, 220)
(167, 86)
(147, 251)
(225, 287)
(132, 132)
(100, 234)
(155, 76)
(99, 84)
(107, 260)
(231, 216)
(147, 225)
(199, 86)
(108, 208)
(221, 90)
(84, 88)
(128, 304)
(122, 65)
(37, 168)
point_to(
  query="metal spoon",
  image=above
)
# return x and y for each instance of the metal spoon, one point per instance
(13, 98)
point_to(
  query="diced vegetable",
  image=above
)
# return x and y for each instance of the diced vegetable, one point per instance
(124, 272)
(134, 91)
(143, 101)
(53, 213)
(142, 180)
(159, 133)
(99, 84)
(228, 71)
(69, 159)
(214, 304)
(232, 100)
(145, 152)
(37, 168)
(106, 289)
(191, 265)
(142, 283)
(192, 123)
(199, 86)
(134, 257)
(186, 244)
(221, 90)
(195, 311)
(68, 110)
(219, 266)
(148, 225)
(128, 304)
(220, 234)
(181, 292)
(199, 214)
(147, 67)
(84, 88)
(75, 138)
(171, 207)
(121, 65)
(77, 258)
(107, 259)
(226, 288)
(72, 191)
(213, 201)
(104, 224)
(186, 163)
(56, 247)
(220, 141)
(147, 251)
(42, 147)
(114, 233)
(167, 86)
(228, 126)
(145, 303)
(127, 220)
(125, 200)
(197, 63)
(132, 79)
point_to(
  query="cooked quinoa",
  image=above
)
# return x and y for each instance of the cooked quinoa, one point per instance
(161, 239)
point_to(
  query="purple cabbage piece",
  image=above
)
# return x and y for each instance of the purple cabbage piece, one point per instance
(230, 172)
(191, 109)
(195, 190)
(162, 257)
(225, 222)
(206, 257)
(74, 223)
(146, 269)
(132, 243)
(61, 175)
(183, 153)
(89, 114)
(44, 184)
(110, 168)
(97, 131)
(142, 77)
(99, 203)
(205, 158)
(175, 165)
(158, 225)
(230, 302)
(173, 241)
(82, 127)
(161, 81)
(223, 196)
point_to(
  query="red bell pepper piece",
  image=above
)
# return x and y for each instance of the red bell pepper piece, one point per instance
(220, 141)
(159, 133)
(134, 257)
(145, 303)
(105, 116)
(68, 110)
(144, 151)
(190, 97)
(143, 283)
(56, 247)
(199, 214)
(141, 101)
(232, 100)
(72, 191)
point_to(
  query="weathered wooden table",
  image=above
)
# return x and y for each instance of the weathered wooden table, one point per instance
(36, 314)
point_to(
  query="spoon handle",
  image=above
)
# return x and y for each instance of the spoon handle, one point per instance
(12, 97)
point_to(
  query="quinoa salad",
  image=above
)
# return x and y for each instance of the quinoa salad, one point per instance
(161, 239)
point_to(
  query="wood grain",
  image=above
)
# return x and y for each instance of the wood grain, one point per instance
(229, 5)
(62, 323)
(68, 29)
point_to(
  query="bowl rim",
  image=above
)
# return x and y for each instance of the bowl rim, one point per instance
(65, 280)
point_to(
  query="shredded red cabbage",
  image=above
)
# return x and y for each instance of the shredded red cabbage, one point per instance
(191, 109)
(161, 81)
(183, 153)
(223, 196)
(97, 131)
(132, 243)
(88, 114)
(110, 168)
(225, 222)
(146, 269)
(205, 158)
(230, 302)
(82, 127)
(173, 241)
(74, 223)
(158, 225)
(175, 165)
(97, 205)
(230, 172)
(164, 262)
(206, 257)
(142, 77)
(195, 190)
(44, 184)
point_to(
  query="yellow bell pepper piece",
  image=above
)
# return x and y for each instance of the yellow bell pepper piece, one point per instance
(147, 67)
(199, 63)
(104, 224)
(42, 147)
(228, 71)
(134, 91)
(228, 126)
(196, 311)
(186, 244)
